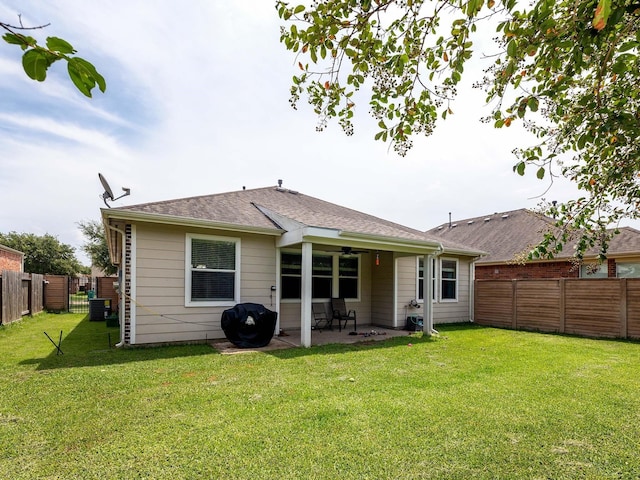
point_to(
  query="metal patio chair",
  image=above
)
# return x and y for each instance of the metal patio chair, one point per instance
(320, 317)
(340, 313)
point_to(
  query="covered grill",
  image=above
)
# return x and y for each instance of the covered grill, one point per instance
(249, 325)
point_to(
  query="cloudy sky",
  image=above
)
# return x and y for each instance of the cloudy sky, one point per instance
(197, 103)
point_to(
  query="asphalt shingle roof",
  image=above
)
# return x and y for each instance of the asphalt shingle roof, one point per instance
(242, 208)
(507, 234)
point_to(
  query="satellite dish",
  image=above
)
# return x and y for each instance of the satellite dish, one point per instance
(108, 193)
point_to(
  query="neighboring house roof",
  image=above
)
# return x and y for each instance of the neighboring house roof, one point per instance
(11, 250)
(506, 235)
(275, 210)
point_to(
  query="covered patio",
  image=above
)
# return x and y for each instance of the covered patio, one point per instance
(292, 338)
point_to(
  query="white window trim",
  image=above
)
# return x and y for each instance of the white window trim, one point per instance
(187, 272)
(450, 300)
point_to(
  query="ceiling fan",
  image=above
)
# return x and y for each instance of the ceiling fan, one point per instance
(351, 251)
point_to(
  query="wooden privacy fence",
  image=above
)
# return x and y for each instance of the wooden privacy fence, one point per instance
(57, 289)
(603, 307)
(56, 293)
(20, 294)
(30, 293)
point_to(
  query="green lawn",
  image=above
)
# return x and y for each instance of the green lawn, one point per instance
(472, 403)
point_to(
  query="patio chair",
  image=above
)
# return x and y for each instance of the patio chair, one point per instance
(340, 313)
(320, 317)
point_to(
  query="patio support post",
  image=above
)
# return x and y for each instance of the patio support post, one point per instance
(306, 295)
(427, 323)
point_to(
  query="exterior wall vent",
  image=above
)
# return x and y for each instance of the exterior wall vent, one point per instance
(469, 222)
(506, 215)
(487, 219)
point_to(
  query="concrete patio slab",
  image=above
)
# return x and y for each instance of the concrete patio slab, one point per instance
(291, 338)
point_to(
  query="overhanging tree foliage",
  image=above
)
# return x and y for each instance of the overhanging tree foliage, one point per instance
(568, 69)
(43, 254)
(37, 59)
(96, 246)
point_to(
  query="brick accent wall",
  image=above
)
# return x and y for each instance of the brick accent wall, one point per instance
(611, 268)
(529, 270)
(10, 261)
(535, 270)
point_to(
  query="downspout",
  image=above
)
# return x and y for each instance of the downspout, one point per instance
(472, 290)
(121, 232)
(472, 281)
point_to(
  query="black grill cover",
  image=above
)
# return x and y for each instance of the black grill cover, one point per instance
(249, 325)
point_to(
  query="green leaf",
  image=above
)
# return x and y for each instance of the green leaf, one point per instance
(85, 76)
(540, 173)
(35, 64)
(519, 168)
(298, 9)
(628, 46)
(619, 67)
(13, 39)
(583, 140)
(533, 103)
(56, 44)
(512, 48)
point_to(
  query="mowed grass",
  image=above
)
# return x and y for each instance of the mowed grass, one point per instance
(472, 403)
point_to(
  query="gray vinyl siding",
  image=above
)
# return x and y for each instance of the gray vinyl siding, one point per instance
(407, 289)
(382, 291)
(443, 311)
(161, 315)
(455, 312)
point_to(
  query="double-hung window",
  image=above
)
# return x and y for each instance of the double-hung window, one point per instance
(212, 275)
(348, 271)
(321, 276)
(448, 279)
(327, 271)
(421, 278)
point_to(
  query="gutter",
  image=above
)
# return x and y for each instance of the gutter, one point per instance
(187, 222)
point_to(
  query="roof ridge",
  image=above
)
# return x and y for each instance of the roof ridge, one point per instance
(501, 214)
(194, 197)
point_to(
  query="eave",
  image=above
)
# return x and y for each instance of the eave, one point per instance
(130, 216)
(342, 238)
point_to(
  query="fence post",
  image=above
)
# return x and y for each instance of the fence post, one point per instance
(623, 308)
(30, 295)
(562, 308)
(514, 305)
